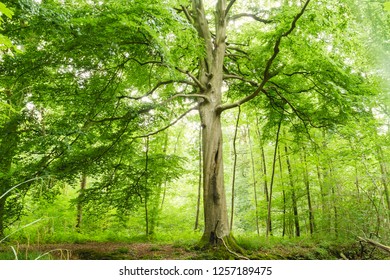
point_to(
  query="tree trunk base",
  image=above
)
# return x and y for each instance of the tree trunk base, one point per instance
(223, 248)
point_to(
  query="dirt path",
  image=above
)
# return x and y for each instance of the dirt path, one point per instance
(111, 251)
(153, 251)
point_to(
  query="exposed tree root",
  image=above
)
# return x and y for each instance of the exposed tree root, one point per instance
(235, 245)
(226, 243)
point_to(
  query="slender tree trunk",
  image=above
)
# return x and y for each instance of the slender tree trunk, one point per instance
(325, 224)
(83, 184)
(384, 176)
(264, 174)
(293, 196)
(2, 215)
(254, 182)
(283, 194)
(234, 168)
(269, 227)
(357, 183)
(146, 194)
(334, 199)
(9, 140)
(307, 185)
(264, 169)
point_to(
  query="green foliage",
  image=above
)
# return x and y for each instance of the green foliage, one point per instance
(387, 6)
(96, 80)
(5, 42)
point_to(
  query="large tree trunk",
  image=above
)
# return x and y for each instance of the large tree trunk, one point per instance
(199, 181)
(210, 78)
(215, 210)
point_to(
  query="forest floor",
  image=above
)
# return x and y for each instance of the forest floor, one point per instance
(153, 251)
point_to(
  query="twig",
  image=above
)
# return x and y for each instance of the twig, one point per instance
(36, 221)
(14, 187)
(199, 84)
(343, 256)
(15, 254)
(167, 126)
(255, 17)
(47, 253)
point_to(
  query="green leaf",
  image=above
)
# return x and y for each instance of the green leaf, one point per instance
(5, 42)
(387, 6)
(5, 11)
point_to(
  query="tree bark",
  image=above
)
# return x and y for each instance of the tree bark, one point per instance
(210, 78)
(199, 181)
(293, 196)
(216, 219)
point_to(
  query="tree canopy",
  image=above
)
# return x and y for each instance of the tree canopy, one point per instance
(91, 88)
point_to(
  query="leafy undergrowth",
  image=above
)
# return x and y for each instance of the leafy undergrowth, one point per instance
(275, 250)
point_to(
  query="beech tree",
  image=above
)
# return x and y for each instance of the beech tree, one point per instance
(123, 70)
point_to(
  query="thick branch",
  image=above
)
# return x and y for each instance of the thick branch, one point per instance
(201, 25)
(267, 75)
(187, 13)
(229, 6)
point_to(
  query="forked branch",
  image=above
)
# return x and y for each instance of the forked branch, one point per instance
(267, 72)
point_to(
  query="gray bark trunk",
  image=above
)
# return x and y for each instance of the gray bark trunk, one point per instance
(215, 218)
(210, 77)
